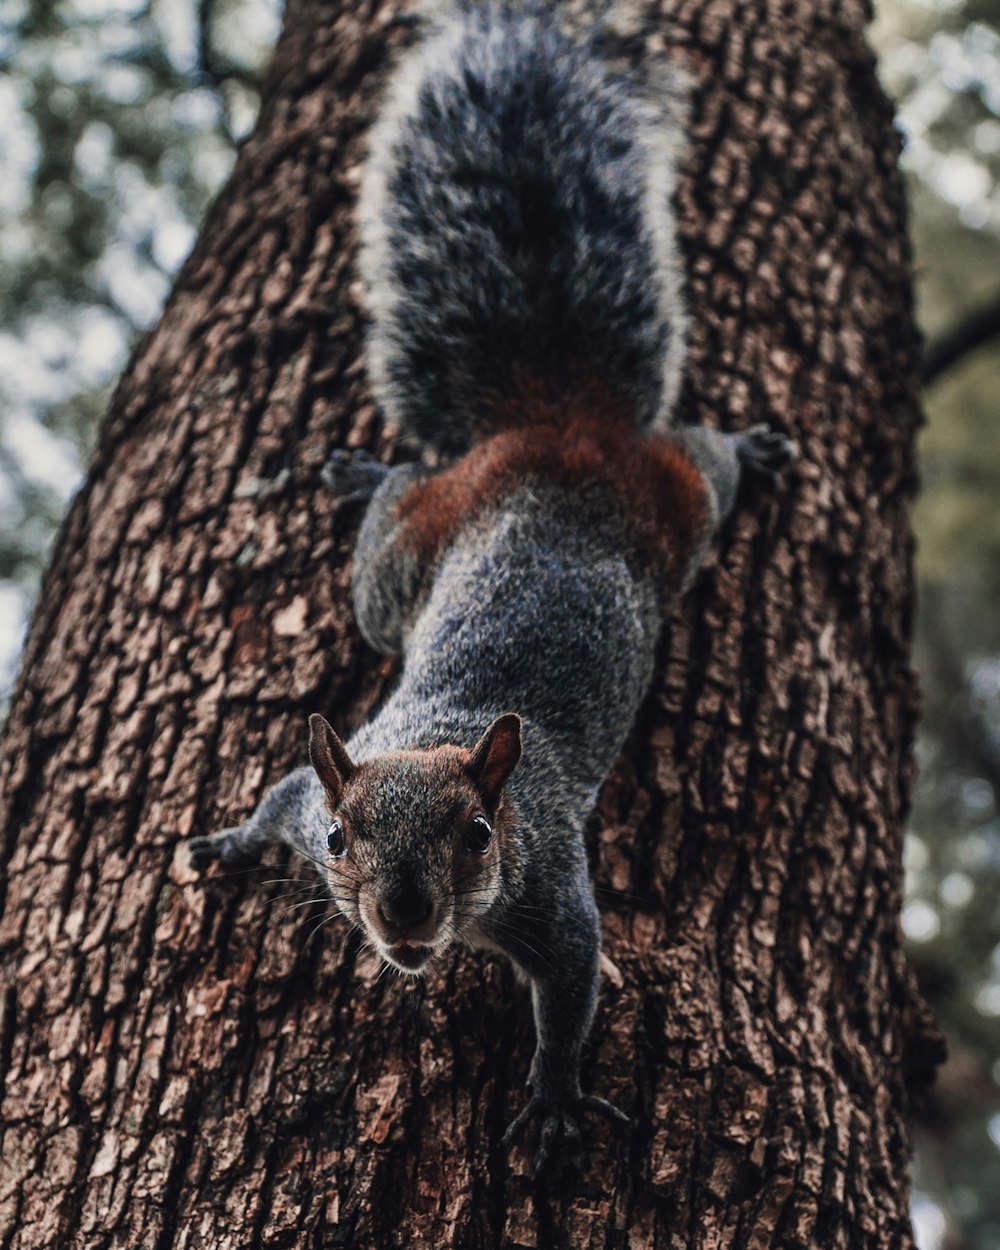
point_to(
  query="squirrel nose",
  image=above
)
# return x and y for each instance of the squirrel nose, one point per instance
(406, 907)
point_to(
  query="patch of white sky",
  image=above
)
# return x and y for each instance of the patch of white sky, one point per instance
(52, 355)
(18, 150)
(178, 26)
(14, 608)
(930, 1227)
(251, 29)
(925, 77)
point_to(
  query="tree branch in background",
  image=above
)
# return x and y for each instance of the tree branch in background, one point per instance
(955, 344)
(956, 716)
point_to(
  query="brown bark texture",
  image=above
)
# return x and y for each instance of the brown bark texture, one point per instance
(181, 1064)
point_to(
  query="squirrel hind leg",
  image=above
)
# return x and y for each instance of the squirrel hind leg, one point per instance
(723, 458)
(765, 451)
(389, 580)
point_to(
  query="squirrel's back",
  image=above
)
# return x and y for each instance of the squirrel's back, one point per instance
(517, 232)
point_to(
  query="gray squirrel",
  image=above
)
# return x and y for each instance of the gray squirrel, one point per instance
(528, 327)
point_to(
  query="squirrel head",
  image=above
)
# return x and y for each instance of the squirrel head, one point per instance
(416, 843)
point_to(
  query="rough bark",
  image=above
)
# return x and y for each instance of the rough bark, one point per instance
(181, 1064)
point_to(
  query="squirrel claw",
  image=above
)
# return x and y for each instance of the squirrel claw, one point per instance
(353, 476)
(560, 1146)
(516, 1127)
(590, 1102)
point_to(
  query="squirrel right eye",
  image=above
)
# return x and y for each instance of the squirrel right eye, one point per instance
(336, 843)
(477, 835)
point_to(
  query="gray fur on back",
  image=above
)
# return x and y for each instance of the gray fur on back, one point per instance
(536, 613)
(516, 208)
(536, 610)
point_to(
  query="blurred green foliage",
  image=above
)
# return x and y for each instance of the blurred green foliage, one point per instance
(120, 122)
(940, 59)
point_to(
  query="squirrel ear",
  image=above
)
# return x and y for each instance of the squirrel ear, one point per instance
(329, 757)
(494, 756)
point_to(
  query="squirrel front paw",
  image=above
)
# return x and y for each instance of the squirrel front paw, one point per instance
(353, 476)
(228, 847)
(766, 451)
(560, 1144)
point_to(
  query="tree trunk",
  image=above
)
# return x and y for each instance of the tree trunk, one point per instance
(181, 1064)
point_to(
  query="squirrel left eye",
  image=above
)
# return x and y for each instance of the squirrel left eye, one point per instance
(478, 834)
(336, 843)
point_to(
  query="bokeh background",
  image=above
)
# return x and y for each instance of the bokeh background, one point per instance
(119, 120)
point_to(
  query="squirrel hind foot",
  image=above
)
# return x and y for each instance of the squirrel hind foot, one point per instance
(766, 451)
(560, 1141)
(353, 476)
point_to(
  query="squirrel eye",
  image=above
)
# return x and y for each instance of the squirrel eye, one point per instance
(335, 840)
(478, 834)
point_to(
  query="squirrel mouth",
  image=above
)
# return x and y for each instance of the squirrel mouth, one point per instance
(409, 955)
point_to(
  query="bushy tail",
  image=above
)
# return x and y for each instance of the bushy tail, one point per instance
(517, 231)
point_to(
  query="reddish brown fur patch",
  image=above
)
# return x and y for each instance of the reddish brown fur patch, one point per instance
(535, 401)
(652, 485)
